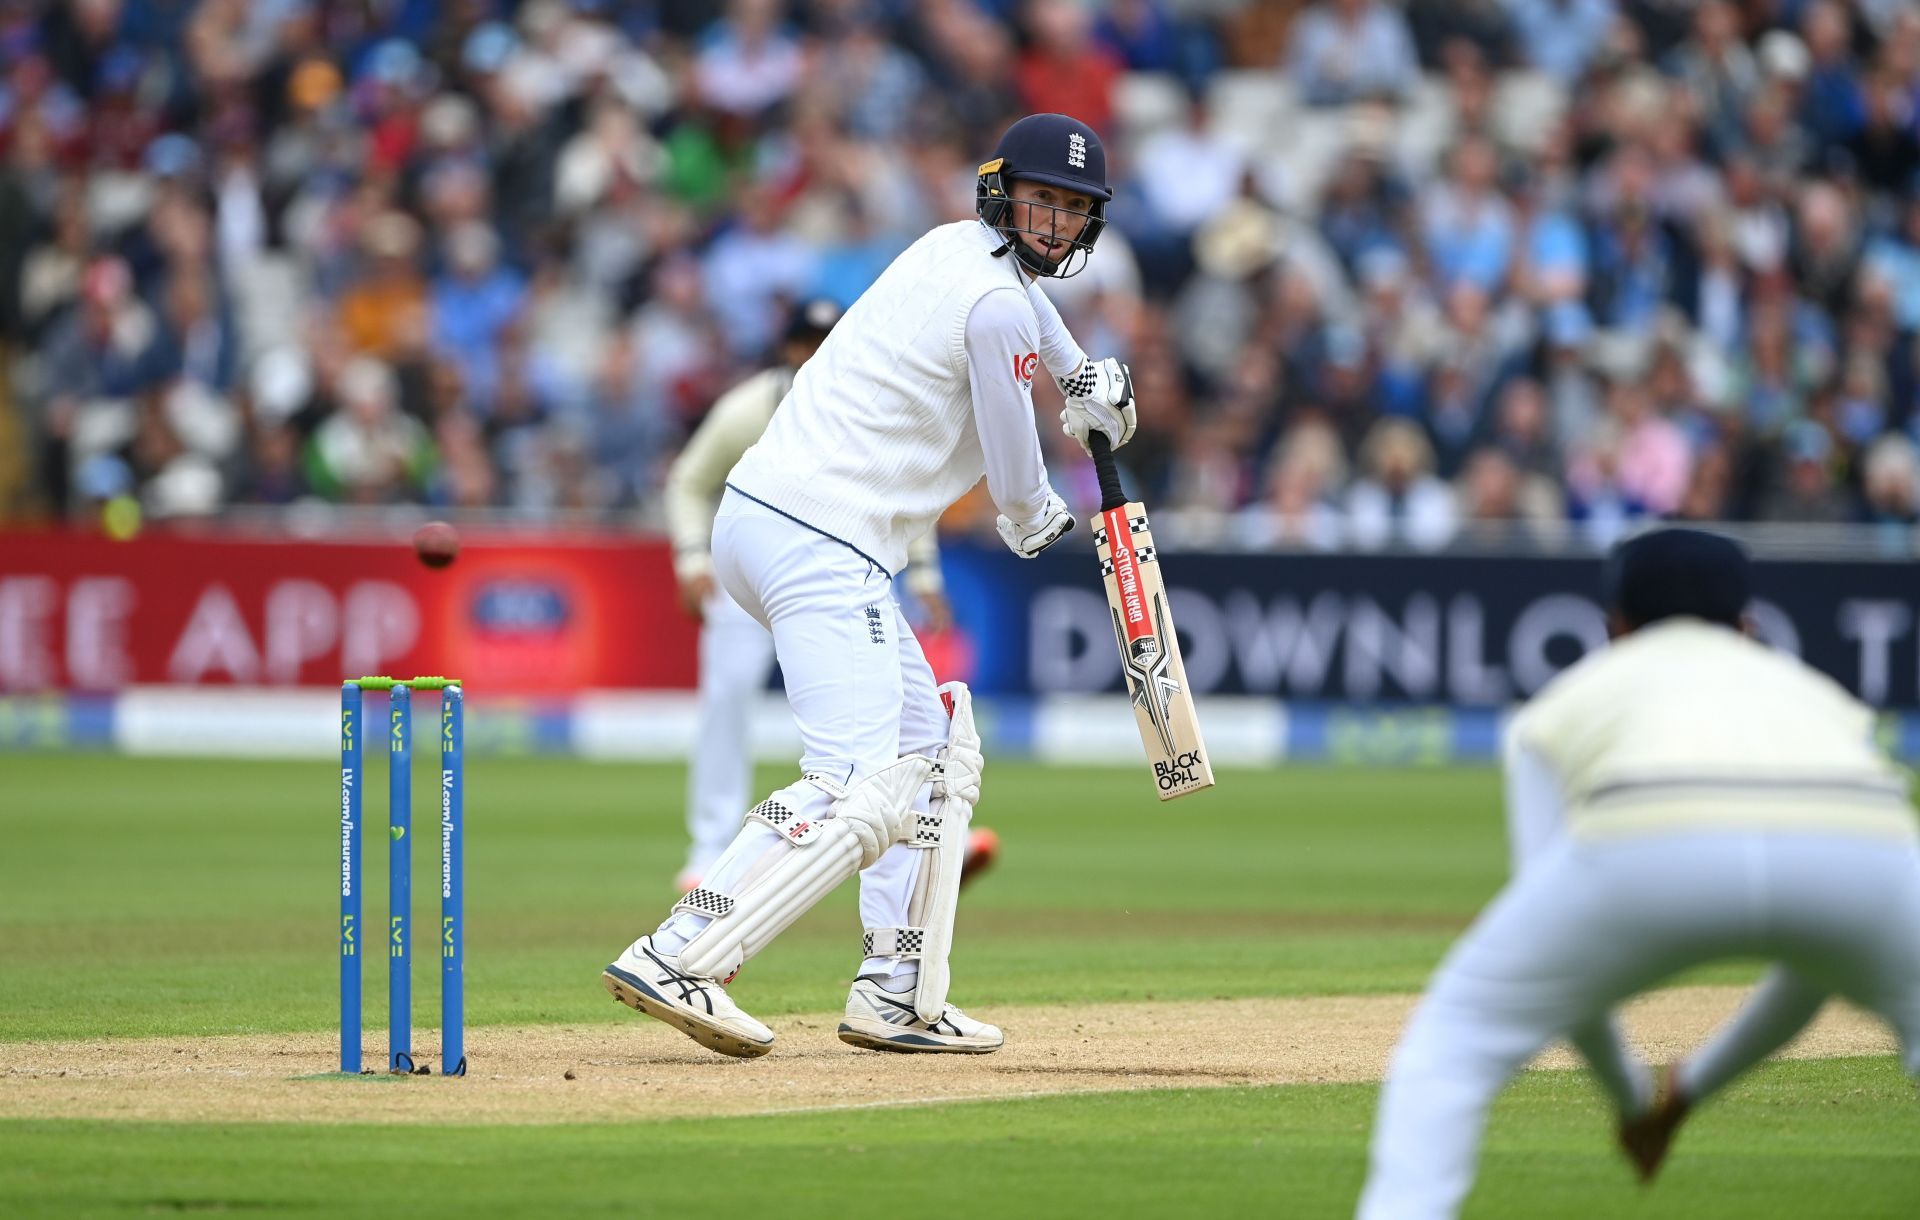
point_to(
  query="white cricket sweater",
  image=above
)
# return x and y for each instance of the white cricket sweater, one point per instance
(699, 474)
(1684, 724)
(925, 385)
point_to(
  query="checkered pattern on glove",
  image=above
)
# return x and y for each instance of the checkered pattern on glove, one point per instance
(1099, 399)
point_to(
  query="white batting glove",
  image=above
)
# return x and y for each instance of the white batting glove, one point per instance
(1027, 539)
(1099, 398)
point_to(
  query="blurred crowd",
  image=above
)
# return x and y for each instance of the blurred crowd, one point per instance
(1384, 272)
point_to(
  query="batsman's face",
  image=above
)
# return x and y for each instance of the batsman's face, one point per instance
(1052, 216)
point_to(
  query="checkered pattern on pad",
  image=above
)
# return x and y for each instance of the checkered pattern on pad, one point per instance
(893, 942)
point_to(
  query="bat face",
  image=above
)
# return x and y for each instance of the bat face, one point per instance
(1150, 652)
(1154, 688)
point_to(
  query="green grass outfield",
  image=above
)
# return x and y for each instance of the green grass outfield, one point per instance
(185, 897)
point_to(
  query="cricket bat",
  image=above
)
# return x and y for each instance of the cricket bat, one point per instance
(1143, 627)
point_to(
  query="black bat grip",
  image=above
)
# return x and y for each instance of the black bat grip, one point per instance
(1111, 496)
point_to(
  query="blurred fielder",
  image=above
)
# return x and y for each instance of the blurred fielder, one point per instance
(735, 651)
(1685, 795)
(925, 385)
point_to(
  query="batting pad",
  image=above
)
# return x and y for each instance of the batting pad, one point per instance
(815, 855)
(941, 833)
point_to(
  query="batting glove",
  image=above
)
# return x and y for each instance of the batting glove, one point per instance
(1027, 539)
(1099, 398)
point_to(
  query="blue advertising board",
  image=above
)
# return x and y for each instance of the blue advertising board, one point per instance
(1454, 630)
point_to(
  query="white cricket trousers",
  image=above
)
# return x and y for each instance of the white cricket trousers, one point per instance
(735, 655)
(1588, 924)
(861, 691)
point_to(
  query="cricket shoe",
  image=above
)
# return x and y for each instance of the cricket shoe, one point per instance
(1646, 1139)
(983, 848)
(653, 983)
(882, 1020)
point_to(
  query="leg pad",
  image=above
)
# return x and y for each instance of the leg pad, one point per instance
(814, 856)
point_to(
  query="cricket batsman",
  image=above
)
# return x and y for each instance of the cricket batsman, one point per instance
(735, 651)
(922, 388)
(1684, 795)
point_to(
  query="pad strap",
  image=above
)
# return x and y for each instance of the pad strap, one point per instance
(772, 812)
(704, 901)
(778, 810)
(893, 942)
(927, 826)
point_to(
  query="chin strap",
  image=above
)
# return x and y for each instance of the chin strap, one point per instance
(1020, 256)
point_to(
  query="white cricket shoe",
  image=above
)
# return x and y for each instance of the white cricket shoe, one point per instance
(881, 1020)
(654, 984)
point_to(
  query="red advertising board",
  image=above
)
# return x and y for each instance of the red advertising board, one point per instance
(516, 614)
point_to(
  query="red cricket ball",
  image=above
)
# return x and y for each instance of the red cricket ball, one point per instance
(436, 543)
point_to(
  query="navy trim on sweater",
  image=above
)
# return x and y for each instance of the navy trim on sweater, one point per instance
(816, 529)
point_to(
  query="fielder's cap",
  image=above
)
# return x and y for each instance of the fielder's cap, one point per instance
(1056, 149)
(1678, 573)
(812, 320)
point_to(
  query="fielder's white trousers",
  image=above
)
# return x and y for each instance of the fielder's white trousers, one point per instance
(735, 654)
(861, 691)
(1585, 925)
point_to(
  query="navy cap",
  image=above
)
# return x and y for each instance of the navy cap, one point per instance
(811, 320)
(1676, 573)
(1056, 149)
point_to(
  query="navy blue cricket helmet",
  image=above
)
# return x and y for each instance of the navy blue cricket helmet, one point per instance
(1060, 151)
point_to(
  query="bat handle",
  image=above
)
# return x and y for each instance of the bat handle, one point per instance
(1111, 495)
